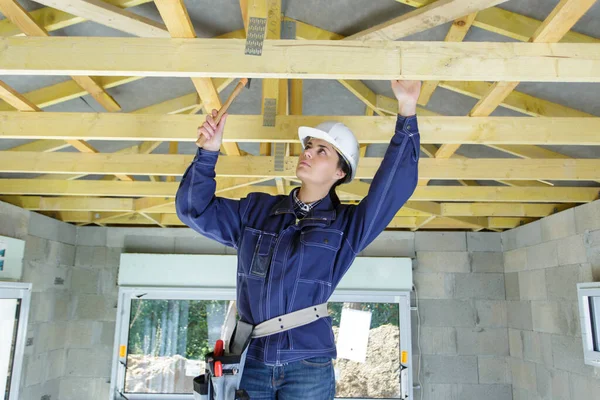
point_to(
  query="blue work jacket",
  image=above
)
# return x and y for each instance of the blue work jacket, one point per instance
(285, 264)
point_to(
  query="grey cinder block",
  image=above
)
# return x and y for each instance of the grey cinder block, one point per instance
(440, 241)
(532, 285)
(529, 235)
(480, 286)
(558, 226)
(450, 369)
(568, 355)
(455, 313)
(562, 281)
(587, 216)
(91, 236)
(439, 340)
(392, 244)
(555, 317)
(515, 260)
(491, 313)
(493, 370)
(15, 221)
(488, 392)
(479, 341)
(542, 256)
(434, 285)
(52, 229)
(487, 262)
(515, 342)
(511, 285)
(484, 241)
(571, 250)
(438, 261)
(519, 315)
(523, 374)
(90, 256)
(583, 387)
(84, 280)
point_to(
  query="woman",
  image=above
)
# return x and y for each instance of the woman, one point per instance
(294, 249)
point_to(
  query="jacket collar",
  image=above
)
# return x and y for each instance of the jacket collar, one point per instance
(323, 212)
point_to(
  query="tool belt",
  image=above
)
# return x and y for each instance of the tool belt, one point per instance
(223, 375)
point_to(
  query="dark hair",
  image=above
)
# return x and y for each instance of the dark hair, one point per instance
(343, 165)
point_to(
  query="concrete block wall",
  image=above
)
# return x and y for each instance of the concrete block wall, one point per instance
(543, 263)
(498, 312)
(464, 338)
(48, 262)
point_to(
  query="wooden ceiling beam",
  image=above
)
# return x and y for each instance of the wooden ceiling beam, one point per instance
(540, 62)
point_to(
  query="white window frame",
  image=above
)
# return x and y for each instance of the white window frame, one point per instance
(126, 294)
(22, 291)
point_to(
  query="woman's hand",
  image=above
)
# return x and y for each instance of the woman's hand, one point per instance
(212, 131)
(407, 93)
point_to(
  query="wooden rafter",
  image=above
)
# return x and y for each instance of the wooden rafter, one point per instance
(109, 15)
(457, 32)
(423, 18)
(178, 22)
(16, 13)
(504, 194)
(556, 25)
(260, 166)
(541, 62)
(249, 128)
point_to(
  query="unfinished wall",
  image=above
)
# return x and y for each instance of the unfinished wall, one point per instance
(543, 263)
(492, 326)
(47, 264)
(464, 338)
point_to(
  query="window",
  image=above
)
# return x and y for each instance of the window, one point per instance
(168, 331)
(14, 309)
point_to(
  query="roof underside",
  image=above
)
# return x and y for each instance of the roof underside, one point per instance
(532, 186)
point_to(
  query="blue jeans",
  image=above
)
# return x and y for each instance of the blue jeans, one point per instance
(312, 378)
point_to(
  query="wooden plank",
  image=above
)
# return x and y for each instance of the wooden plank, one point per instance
(423, 18)
(109, 15)
(555, 26)
(15, 99)
(508, 23)
(259, 166)
(98, 93)
(248, 128)
(516, 101)
(302, 59)
(178, 22)
(97, 204)
(457, 32)
(23, 20)
(501, 209)
(560, 21)
(176, 18)
(486, 194)
(51, 19)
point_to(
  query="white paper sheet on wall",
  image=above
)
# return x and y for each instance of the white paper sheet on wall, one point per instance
(353, 336)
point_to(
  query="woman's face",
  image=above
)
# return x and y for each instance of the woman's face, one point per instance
(318, 164)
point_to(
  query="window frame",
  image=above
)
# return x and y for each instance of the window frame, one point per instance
(22, 291)
(128, 293)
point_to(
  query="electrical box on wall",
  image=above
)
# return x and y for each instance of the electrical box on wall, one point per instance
(11, 258)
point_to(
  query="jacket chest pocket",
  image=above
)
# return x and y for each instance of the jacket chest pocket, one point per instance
(319, 251)
(256, 252)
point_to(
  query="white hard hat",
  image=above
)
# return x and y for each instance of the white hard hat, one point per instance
(340, 137)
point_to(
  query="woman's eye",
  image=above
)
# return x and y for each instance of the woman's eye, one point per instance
(322, 151)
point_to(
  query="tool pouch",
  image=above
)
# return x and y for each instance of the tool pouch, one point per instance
(226, 387)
